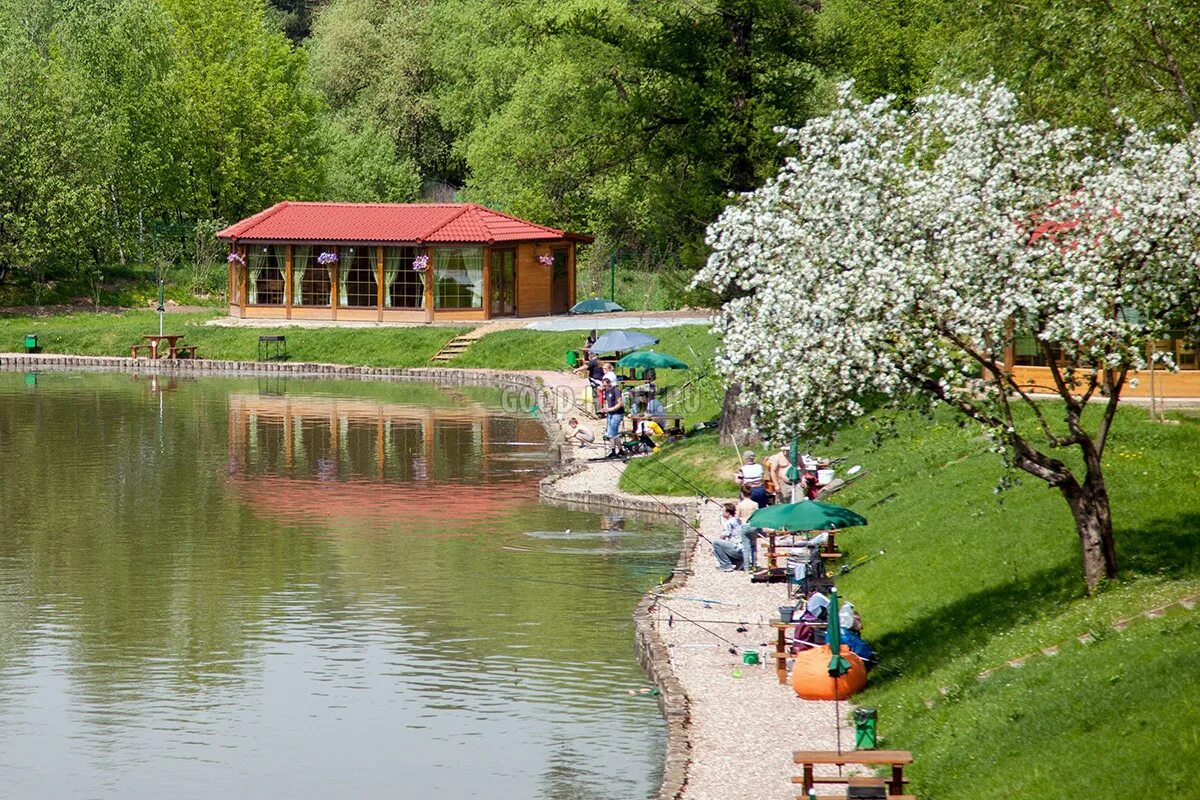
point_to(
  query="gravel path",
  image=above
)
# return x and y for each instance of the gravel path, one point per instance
(744, 723)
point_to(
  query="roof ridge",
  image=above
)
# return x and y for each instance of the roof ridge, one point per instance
(464, 209)
(518, 219)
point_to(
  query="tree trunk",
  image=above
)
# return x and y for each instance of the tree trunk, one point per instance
(735, 418)
(1093, 522)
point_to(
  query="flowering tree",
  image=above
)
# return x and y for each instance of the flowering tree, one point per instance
(897, 254)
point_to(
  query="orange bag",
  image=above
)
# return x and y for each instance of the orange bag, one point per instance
(810, 675)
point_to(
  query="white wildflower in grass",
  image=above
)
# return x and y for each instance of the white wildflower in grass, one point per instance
(896, 252)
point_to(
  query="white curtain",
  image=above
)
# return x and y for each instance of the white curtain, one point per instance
(259, 258)
(458, 277)
(300, 256)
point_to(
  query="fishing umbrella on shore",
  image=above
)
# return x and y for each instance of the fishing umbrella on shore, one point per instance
(622, 341)
(595, 305)
(651, 359)
(807, 515)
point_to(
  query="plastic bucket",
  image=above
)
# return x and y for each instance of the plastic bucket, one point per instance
(750, 657)
(785, 613)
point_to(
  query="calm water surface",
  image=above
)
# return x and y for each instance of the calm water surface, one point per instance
(268, 588)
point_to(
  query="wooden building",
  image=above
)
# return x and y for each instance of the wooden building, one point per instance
(1031, 370)
(410, 262)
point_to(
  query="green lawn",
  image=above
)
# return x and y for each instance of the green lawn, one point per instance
(694, 394)
(111, 335)
(972, 579)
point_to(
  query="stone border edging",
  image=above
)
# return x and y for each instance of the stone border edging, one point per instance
(655, 658)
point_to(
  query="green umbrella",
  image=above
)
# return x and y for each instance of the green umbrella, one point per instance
(807, 515)
(649, 358)
(595, 306)
(838, 665)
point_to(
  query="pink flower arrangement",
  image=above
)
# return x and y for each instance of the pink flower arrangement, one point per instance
(326, 258)
(421, 263)
(546, 260)
(236, 258)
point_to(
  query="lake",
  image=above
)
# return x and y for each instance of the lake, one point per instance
(254, 588)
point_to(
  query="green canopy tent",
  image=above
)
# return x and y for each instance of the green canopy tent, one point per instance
(651, 359)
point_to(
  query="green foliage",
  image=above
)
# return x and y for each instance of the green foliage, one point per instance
(131, 126)
(628, 120)
(363, 167)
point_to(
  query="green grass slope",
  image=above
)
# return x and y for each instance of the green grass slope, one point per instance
(972, 580)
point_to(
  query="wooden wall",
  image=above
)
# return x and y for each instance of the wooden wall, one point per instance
(533, 283)
(1185, 383)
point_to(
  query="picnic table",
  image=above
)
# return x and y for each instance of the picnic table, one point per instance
(896, 759)
(781, 653)
(155, 343)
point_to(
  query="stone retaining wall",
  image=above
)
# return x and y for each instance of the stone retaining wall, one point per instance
(655, 658)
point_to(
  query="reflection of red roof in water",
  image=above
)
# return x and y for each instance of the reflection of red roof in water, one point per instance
(452, 505)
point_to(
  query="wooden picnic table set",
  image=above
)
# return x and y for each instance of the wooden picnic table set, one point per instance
(154, 346)
(860, 786)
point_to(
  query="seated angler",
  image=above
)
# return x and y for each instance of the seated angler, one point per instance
(728, 549)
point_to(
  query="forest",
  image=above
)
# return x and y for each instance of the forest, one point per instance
(132, 130)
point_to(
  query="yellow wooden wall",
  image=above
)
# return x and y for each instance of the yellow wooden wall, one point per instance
(533, 283)
(1185, 383)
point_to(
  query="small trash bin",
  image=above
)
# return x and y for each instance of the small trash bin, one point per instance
(864, 728)
(31, 343)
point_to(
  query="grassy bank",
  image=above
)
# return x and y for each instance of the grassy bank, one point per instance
(972, 580)
(112, 334)
(694, 394)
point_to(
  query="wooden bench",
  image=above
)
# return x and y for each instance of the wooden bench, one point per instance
(182, 351)
(137, 348)
(896, 759)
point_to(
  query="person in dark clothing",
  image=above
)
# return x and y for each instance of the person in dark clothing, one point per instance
(614, 408)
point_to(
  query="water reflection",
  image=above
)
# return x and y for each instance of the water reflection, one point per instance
(208, 589)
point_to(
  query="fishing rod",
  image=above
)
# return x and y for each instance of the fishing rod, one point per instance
(624, 591)
(846, 568)
(687, 523)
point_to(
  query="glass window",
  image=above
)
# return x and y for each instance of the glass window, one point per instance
(311, 284)
(358, 278)
(405, 285)
(266, 264)
(458, 277)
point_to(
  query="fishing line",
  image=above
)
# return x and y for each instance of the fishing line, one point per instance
(625, 591)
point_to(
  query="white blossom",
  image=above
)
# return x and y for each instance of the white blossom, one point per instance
(896, 250)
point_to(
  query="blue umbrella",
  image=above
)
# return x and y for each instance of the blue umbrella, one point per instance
(622, 342)
(595, 305)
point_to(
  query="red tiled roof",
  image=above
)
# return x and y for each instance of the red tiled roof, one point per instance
(395, 222)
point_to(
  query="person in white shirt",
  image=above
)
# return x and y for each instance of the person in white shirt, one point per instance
(728, 549)
(750, 476)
